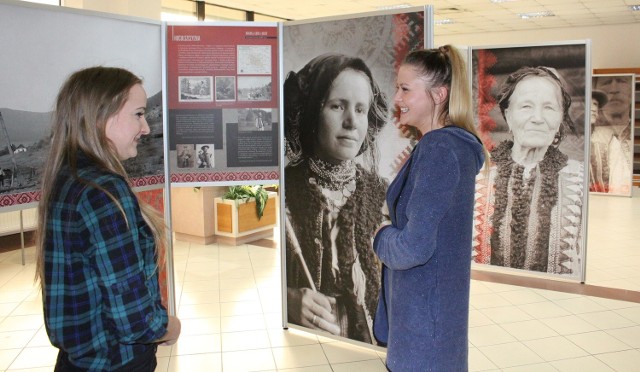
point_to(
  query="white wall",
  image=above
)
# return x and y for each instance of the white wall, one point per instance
(612, 46)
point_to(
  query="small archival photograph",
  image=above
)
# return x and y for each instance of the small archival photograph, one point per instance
(205, 156)
(186, 155)
(225, 88)
(251, 120)
(254, 88)
(196, 88)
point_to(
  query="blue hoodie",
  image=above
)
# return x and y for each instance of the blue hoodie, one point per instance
(423, 309)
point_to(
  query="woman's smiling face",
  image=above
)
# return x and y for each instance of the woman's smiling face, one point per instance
(344, 117)
(413, 100)
(125, 128)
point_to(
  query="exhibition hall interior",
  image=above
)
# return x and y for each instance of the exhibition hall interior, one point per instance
(213, 72)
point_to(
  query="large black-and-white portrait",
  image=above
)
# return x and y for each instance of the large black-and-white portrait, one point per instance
(339, 82)
(531, 111)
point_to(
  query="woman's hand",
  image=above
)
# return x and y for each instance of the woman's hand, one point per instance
(312, 309)
(173, 332)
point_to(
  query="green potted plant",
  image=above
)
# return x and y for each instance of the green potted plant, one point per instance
(245, 193)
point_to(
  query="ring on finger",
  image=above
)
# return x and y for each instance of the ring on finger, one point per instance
(313, 321)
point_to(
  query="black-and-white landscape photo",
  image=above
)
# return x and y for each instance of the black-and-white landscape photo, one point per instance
(29, 85)
(254, 88)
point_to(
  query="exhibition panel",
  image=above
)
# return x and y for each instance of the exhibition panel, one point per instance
(57, 42)
(222, 103)
(334, 66)
(531, 105)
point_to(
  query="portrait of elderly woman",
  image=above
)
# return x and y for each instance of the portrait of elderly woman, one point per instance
(334, 197)
(532, 195)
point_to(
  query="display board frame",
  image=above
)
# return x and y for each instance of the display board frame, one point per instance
(617, 138)
(570, 62)
(220, 121)
(366, 37)
(71, 40)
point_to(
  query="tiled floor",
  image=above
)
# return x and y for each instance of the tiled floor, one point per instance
(229, 301)
(613, 241)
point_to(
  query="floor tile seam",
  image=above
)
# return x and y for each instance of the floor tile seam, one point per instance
(255, 370)
(575, 313)
(247, 349)
(626, 316)
(177, 301)
(616, 305)
(521, 341)
(626, 348)
(603, 361)
(260, 300)
(20, 329)
(273, 348)
(33, 336)
(517, 307)
(513, 322)
(560, 359)
(331, 365)
(566, 339)
(471, 344)
(615, 351)
(511, 366)
(515, 302)
(522, 364)
(219, 335)
(599, 327)
(25, 293)
(537, 338)
(376, 356)
(239, 288)
(535, 314)
(563, 286)
(14, 360)
(585, 333)
(619, 339)
(3, 317)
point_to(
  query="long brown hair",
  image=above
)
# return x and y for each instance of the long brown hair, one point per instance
(85, 102)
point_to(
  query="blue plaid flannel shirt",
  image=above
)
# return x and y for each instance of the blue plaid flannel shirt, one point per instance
(102, 302)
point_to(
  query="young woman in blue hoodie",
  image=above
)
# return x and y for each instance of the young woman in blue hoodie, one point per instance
(423, 309)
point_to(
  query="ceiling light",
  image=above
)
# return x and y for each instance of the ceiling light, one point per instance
(635, 8)
(396, 6)
(536, 15)
(444, 21)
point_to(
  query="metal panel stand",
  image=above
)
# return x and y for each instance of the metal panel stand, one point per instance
(21, 237)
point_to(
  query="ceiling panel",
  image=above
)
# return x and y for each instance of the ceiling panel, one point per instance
(468, 15)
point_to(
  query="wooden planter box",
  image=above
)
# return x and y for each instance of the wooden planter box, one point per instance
(192, 215)
(239, 225)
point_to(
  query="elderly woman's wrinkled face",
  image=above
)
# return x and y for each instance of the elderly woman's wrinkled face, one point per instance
(344, 117)
(535, 112)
